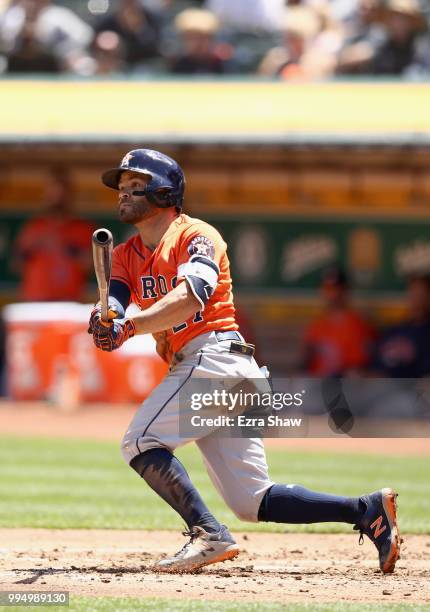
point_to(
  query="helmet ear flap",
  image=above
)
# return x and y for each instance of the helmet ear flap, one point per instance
(163, 197)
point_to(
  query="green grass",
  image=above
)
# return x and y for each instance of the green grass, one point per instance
(114, 604)
(82, 484)
(111, 605)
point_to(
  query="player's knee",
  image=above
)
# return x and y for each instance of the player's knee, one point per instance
(128, 449)
(244, 511)
(247, 507)
(132, 447)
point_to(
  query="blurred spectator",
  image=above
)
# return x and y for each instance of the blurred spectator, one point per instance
(311, 41)
(363, 34)
(403, 350)
(56, 33)
(29, 55)
(357, 16)
(404, 23)
(345, 10)
(108, 54)
(201, 54)
(243, 15)
(52, 252)
(339, 342)
(138, 29)
(386, 39)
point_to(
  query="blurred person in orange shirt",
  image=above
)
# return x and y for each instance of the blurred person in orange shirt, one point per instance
(52, 251)
(310, 42)
(340, 341)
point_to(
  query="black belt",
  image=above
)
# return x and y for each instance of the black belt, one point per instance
(238, 345)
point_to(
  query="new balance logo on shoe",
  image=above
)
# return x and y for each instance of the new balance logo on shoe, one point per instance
(376, 525)
(379, 523)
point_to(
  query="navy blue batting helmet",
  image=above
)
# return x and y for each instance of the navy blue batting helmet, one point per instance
(167, 184)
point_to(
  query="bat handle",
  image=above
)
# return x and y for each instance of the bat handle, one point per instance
(102, 255)
(104, 306)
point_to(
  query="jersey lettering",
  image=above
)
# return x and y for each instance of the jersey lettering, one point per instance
(162, 285)
(179, 328)
(198, 317)
(148, 287)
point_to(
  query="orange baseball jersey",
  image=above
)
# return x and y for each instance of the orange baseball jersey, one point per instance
(151, 274)
(55, 258)
(337, 342)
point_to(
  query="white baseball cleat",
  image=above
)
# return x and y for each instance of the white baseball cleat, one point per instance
(203, 549)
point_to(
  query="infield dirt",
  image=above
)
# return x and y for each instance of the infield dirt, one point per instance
(271, 567)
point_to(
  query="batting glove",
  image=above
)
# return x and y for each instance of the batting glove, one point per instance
(115, 311)
(110, 337)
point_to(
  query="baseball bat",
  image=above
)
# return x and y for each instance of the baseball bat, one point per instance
(102, 257)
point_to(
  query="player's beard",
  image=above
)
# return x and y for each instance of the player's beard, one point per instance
(133, 212)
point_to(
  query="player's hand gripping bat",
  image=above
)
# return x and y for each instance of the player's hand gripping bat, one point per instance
(102, 256)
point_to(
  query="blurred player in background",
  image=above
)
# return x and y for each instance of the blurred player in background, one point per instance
(310, 43)
(403, 350)
(340, 341)
(51, 250)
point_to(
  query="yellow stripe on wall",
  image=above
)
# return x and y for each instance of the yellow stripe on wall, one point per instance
(181, 108)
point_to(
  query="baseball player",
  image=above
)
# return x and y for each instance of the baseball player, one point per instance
(177, 271)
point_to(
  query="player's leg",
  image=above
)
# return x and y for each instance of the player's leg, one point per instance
(167, 476)
(209, 541)
(374, 515)
(148, 448)
(238, 469)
